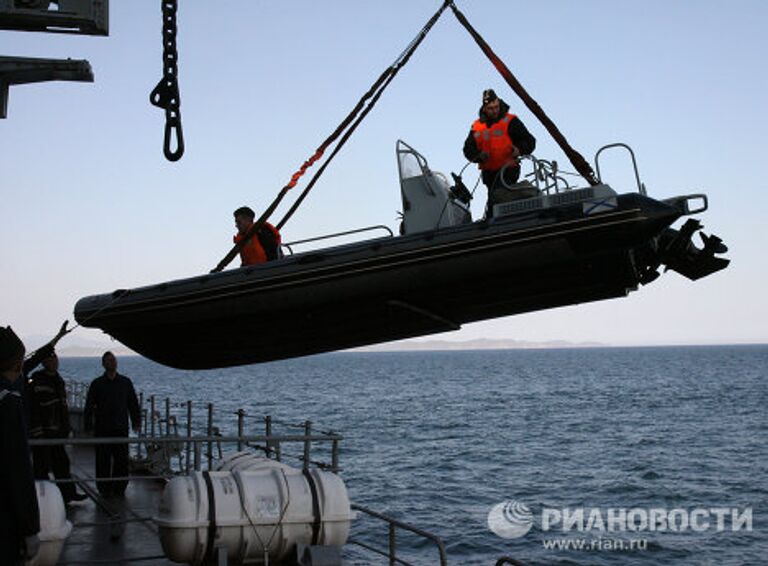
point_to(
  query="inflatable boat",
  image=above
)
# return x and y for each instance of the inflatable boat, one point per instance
(544, 247)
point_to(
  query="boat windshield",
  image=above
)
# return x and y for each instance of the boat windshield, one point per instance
(410, 162)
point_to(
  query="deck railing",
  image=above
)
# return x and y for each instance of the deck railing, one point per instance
(172, 442)
(392, 527)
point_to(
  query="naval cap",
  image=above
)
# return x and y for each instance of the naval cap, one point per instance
(489, 95)
(10, 345)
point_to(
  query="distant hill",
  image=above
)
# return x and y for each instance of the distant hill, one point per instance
(76, 346)
(477, 344)
(94, 351)
(73, 346)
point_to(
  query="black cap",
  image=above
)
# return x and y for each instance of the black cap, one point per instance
(489, 95)
(245, 211)
(10, 345)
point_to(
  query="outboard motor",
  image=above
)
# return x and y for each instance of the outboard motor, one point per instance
(675, 250)
(680, 254)
(429, 202)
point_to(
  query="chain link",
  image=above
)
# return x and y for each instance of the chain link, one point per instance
(166, 94)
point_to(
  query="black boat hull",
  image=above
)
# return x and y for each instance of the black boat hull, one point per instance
(386, 289)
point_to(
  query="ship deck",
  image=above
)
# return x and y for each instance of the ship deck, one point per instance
(116, 531)
(113, 531)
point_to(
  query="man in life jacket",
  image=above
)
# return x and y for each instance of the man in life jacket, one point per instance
(496, 140)
(262, 247)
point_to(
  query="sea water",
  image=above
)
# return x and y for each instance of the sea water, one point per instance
(669, 443)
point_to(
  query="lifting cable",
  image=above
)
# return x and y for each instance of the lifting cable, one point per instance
(354, 118)
(578, 161)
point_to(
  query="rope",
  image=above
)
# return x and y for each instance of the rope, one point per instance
(280, 518)
(358, 113)
(580, 164)
(117, 295)
(63, 331)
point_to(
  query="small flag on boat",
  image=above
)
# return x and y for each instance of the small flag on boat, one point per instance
(599, 205)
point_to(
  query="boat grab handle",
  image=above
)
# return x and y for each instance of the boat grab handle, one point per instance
(683, 203)
(288, 245)
(640, 186)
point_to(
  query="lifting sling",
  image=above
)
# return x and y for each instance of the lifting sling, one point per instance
(577, 160)
(347, 127)
(366, 104)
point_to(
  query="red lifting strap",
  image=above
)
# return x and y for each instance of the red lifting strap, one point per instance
(366, 104)
(338, 131)
(370, 97)
(374, 93)
(578, 161)
(306, 165)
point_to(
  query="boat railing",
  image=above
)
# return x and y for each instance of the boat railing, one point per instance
(393, 525)
(546, 175)
(640, 185)
(289, 245)
(687, 204)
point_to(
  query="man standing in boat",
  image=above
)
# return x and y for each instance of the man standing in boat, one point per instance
(110, 401)
(496, 140)
(19, 513)
(263, 246)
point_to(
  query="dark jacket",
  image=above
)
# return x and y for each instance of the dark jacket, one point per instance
(29, 364)
(19, 514)
(38, 356)
(517, 131)
(108, 405)
(45, 397)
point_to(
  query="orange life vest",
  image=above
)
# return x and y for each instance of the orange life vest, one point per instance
(253, 252)
(495, 141)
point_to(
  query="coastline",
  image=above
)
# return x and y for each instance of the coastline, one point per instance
(95, 351)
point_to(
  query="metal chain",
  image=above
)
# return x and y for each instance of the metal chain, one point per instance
(166, 94)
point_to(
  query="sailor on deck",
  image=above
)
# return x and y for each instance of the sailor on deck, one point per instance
(48, 413)
(496, 140)
(19, 513)
(110, 401)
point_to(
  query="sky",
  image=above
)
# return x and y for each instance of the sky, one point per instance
(89, 203)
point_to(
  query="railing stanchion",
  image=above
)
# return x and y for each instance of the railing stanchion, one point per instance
(167, 416)
(394, 524)
(335, 456)
(152, 415)
(272, 445)
(189, 433)
(307, 444)
(392, 545)
(210, 433)
(143, 425)
(240, 416)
